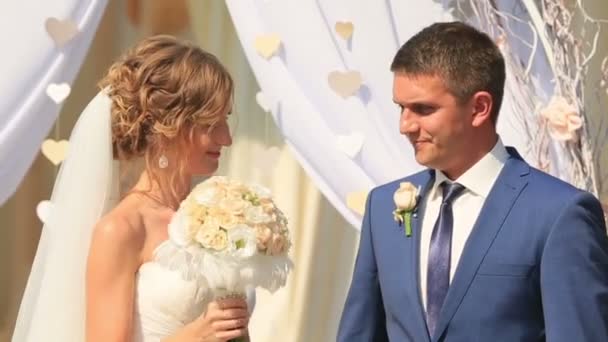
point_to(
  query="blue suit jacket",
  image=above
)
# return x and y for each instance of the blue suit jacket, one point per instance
(535, 268)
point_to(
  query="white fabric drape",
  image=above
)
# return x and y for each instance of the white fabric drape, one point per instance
(31, 61)
(311, 116)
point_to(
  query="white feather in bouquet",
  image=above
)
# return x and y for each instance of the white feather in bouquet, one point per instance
(232, 235)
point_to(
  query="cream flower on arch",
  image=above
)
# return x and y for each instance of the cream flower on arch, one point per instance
(562, 118)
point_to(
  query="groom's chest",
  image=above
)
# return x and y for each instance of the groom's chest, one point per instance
(515, 250)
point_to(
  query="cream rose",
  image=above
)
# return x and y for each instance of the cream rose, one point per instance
(212, 238)
(405, 196)
(207, 196)
(211, 223)
(197, 212)
(234, 205)
(227, 220)
(563, 119)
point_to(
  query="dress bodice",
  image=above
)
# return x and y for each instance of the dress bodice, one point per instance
(166, 299)
(165, 302)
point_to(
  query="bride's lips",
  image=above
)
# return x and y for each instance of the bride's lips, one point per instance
(214, 155)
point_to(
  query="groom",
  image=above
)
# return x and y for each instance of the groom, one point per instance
(491, 249)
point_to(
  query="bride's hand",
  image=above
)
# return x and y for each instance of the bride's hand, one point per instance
(222, 321)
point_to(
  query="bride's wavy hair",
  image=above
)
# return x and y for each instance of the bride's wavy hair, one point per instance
(162, 90)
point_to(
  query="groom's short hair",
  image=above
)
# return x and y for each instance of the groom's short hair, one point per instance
(466, 59)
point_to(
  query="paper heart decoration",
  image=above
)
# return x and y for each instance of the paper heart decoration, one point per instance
(61, 31)
(356, 201)
(345, 84)
(55, 151)
(263, 101)
(267, 45)
(43, 210)
(58, 92)
(344, 29)
(267, 158)
(350, 144)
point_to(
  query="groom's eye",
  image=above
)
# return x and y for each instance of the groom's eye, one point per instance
(423, 109)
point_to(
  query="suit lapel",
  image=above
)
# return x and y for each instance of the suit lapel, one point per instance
(497, 206)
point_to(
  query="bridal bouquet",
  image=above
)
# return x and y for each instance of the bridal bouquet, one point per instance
(234, 235)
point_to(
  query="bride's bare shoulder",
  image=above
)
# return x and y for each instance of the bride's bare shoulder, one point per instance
(120, 230)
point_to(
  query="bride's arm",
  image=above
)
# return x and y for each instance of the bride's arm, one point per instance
(110, 282)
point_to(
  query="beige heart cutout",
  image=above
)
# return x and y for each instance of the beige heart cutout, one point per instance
(55, 151)
(345, 29)
(43, 210)
(350, 144)
(345, 84)
(267, 45)
(61, 31)
(356, 201)
(58, 92)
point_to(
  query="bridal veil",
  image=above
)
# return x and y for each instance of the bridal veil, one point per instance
(53, 305)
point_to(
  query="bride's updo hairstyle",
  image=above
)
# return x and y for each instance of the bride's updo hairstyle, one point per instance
(162, 90)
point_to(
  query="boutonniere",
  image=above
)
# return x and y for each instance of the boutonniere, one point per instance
(406, 202)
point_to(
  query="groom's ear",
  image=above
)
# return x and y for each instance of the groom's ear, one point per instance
(481, 108)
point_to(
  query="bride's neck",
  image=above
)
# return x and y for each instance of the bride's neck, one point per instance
(148, 186)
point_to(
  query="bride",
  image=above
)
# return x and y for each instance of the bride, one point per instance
(99, 272)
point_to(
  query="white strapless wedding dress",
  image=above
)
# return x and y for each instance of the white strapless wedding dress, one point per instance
(166, 298)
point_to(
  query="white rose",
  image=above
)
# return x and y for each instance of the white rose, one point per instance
(212, 238)
(562, 118)
(405, 196)
(257, 215)
(242, 241)
(208, 196)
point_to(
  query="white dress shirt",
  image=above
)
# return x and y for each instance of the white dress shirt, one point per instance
(478, 181)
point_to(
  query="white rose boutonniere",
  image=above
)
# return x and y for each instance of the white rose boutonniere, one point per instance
(406, 200)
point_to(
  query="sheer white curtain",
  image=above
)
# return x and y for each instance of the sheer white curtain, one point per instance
(31, 61)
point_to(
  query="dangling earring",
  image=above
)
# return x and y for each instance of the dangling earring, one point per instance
(163, 162)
